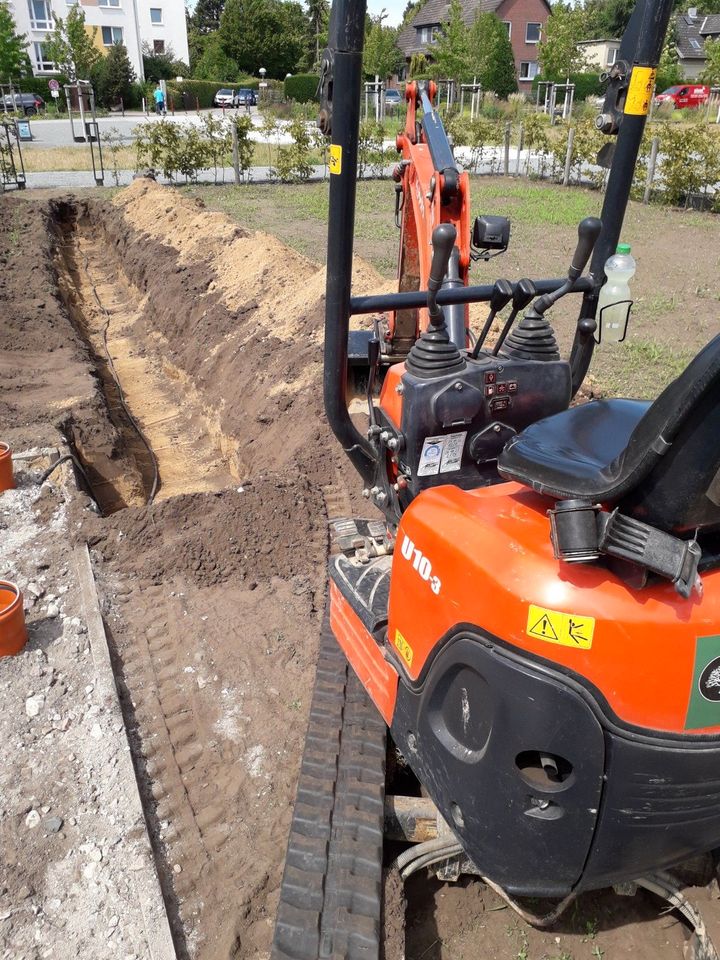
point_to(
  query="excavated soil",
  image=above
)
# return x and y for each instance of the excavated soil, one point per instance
(179, 358)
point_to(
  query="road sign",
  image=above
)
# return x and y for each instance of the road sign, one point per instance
(54, 86)
(55, 93)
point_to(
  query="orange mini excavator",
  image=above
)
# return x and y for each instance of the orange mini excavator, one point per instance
(536, 618)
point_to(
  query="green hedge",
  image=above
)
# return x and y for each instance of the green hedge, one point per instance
(302, 87)
(586, 85)
(197, 92)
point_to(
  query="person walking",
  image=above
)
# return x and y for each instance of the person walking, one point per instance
(159, 101)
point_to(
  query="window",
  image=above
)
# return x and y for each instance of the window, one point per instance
(109, 3)
(40, 15)
(427, 34)
(695, 44)
(532, 32)
(156, 15)
(158, 46)
(528, 70)
(508, 27)
(41, 60)
(612, 57)
(112, 35)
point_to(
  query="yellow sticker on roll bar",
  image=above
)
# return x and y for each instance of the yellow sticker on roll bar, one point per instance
(640, 91)
(335, 163)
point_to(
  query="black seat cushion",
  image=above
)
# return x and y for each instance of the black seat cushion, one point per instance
(573, 453)
(660, 461)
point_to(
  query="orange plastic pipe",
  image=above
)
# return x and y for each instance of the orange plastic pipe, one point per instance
(7, 482)
(13, 632)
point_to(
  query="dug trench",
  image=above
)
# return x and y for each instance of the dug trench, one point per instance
(188, 389)
(180, 358)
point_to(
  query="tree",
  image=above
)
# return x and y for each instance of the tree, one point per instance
(205, 18)
(451, 51)
(606, 18)
(318, 14)
(558, 51)
(264, 33)
(71, 47)
(14, 61)
(215, 64)
(711, 73)
(381, 56)
(491, 57)
(412, 9)
(113, 77)
(418, 66)
(162, 66)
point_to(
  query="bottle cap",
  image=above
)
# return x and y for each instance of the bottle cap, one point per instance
(623, 248)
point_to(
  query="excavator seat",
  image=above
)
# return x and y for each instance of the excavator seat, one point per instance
(657, 462)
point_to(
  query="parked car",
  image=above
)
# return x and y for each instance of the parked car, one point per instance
(245, 97)
(27, 103)
(224, 98)
(687, 95)
(393, 98)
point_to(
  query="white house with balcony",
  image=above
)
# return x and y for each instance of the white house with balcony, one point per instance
(158, 23)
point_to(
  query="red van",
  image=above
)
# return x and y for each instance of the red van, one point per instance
(688, 95)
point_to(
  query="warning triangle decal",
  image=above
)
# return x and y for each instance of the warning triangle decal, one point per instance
(544, 629)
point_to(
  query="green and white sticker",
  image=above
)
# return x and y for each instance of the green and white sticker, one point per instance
(704, 703)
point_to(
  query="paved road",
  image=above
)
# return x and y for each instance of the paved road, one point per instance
(56, 133)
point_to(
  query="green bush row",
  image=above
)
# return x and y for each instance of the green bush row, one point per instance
(586, 85)
(302, 87)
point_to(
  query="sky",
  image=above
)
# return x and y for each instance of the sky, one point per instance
(393, 8)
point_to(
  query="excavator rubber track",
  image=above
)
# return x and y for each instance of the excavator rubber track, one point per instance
(330, 899)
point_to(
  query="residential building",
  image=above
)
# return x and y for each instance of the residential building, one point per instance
(600, 54)
(524, 20)
(158, 23)
(692, 29)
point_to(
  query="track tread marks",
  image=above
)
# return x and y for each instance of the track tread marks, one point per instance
(331, 890)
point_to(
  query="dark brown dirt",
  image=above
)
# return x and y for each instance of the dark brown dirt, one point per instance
(212, 595)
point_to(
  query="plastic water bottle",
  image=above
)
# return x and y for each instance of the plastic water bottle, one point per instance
(612, 312)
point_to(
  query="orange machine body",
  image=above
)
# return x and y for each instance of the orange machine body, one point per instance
(484, 558)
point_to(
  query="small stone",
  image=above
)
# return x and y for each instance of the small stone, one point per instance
(95, 855)
(177, 868)
(53, 824)
(113, 922)
(32, 819)
(34, 704)
(53, 610)
(96, 731)
(34, 590)
(89, 689)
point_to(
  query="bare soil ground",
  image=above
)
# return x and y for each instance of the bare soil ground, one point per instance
(150, 312)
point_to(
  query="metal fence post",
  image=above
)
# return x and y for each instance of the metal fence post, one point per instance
(521, 143)
(235, 152)
(506, 151)
(651, 169)
(569, 156)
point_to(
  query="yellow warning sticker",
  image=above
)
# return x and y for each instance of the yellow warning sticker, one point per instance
(569, 629)
(406, 651)
(640, 91)
(335, 162)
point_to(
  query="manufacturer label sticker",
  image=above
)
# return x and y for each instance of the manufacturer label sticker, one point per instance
(441, 454)
(704, 701)
(640, 91)
(335, 158)
(406, 651)
(567, 629)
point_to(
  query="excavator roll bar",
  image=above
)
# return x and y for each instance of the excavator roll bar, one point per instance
(624, 113)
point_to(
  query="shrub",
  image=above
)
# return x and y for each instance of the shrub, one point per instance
(586, 85)
(191, 93)
(302, 87)
(293, 162)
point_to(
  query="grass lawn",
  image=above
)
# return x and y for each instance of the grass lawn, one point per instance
(676, 288)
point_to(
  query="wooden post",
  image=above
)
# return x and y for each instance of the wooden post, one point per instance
(521, 142)
(568, 156)
(506, 151)
(235, 152)
(651, 169)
